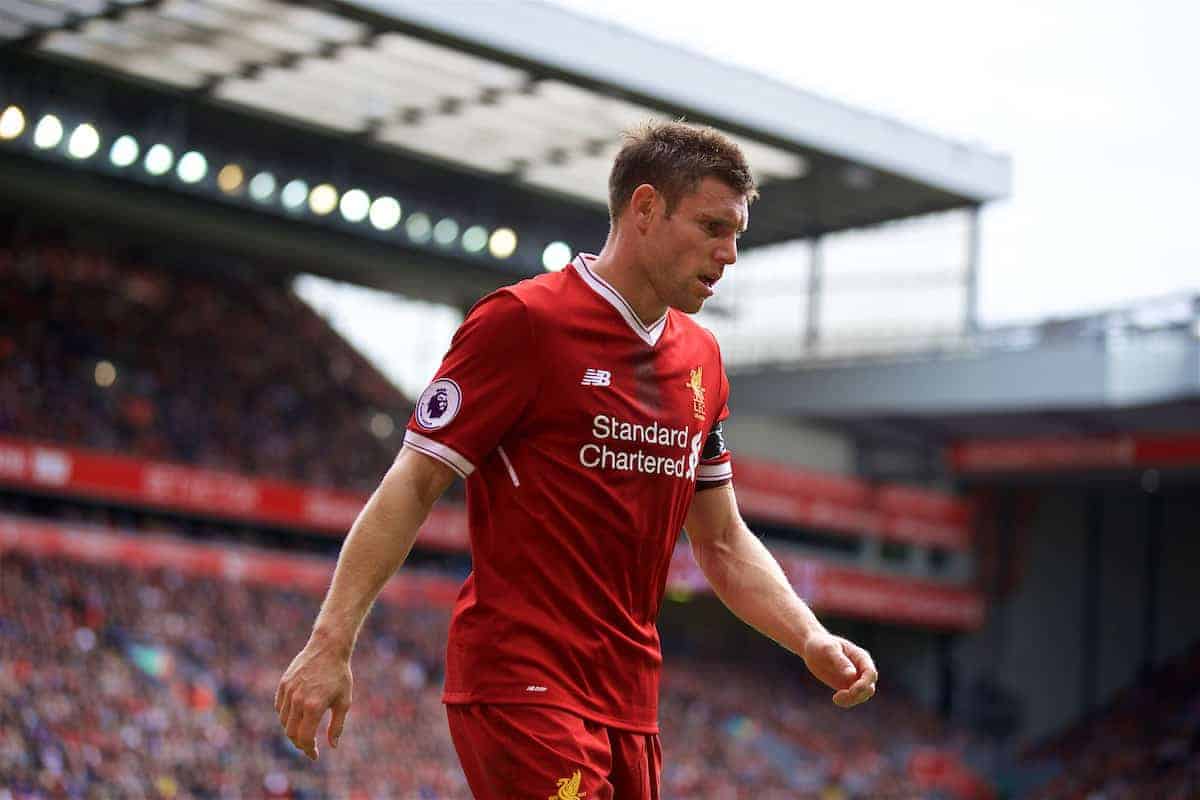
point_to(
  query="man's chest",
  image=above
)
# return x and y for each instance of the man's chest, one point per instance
(614, 404)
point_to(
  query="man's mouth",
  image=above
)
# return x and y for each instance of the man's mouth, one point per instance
(710, 280)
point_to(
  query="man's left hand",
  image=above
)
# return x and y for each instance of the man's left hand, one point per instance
(842, 665)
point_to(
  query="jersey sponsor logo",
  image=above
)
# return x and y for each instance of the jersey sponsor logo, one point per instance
(596, 377)
(606, 428)
(438, 404)
(568, 788)
(695, 382)
(536, 688)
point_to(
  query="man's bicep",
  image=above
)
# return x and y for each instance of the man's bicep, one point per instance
(423, 473)
(712, 514)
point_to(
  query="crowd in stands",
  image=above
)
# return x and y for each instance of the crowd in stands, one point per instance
(1144, 744)
(202, 367)
(115, 684)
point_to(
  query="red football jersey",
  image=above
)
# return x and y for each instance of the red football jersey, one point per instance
(582, 434)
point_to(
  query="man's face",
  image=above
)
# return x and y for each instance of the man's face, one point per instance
(686, 253)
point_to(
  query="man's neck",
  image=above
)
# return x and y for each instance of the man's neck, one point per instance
(624, 276)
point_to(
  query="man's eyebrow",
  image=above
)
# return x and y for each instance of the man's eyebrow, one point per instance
(724, 220)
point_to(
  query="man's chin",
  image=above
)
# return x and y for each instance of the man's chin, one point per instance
(689, 306)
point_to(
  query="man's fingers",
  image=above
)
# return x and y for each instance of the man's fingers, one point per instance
(340, 709)
(864, 664)
(285, 709)
(848, 698)
(847, 667)
(865, 683)
(295, 727)
(306, 731)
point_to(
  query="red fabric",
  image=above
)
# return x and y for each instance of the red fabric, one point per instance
(570, 551)
(528, 751)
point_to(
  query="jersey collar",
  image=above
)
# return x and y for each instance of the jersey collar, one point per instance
(648, 333)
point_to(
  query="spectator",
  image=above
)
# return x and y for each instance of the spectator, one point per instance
(226, 372)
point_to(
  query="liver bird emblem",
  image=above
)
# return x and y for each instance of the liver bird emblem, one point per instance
(568, 788)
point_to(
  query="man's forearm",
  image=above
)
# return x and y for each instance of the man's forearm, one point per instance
(751, 583)
(378, 543)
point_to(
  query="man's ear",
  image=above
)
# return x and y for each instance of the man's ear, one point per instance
(643, 205)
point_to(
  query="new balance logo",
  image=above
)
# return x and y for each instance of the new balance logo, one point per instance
(596, 377)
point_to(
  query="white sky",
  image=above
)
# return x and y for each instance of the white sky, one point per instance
(1097, 103)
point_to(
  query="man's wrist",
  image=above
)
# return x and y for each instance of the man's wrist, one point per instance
(333, 639)
(808, 629)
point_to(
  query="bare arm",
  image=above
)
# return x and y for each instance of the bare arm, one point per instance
(751, 583)
(319, 678)
(378, 543)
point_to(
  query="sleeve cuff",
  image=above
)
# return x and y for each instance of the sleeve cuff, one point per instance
(708, 473)
(447, 455)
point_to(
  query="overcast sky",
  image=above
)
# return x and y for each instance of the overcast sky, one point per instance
(1096, 103)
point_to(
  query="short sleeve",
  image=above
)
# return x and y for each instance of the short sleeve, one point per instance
(487, 380)
(716, 462)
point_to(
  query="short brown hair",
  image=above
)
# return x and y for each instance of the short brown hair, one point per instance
(674, 157)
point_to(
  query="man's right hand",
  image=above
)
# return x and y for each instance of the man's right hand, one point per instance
(317, 680)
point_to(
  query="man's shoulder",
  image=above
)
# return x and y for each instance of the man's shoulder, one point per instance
(544, 291)
(529, 298)
(537, 294)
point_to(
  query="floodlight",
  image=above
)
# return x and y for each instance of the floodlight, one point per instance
(419, 227)
(124, 151)
(12, 123)
(355, 205)
(105, 374)
(230, 178)
(385, 213)
(84, 142)
(323, 199)
(294, 195)
(445, 232)
(555, 256)
(48, 133)
(192, 167)
(159, 159)
(475, 238)
(503, 242)
(262, 186)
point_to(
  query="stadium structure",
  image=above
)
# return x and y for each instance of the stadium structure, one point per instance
(1001, 515)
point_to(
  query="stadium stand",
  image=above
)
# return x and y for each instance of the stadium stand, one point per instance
(233, 372)
(181, 703)
(1145, 743)
(217, 370)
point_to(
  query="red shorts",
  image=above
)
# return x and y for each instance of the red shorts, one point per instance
(528, 752)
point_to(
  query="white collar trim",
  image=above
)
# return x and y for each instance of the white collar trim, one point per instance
(648, 333)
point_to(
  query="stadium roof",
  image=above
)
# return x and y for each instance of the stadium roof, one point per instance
(1129, 370)
(513, 96)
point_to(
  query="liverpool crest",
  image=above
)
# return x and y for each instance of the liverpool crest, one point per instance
(696, 384)
(568, 788)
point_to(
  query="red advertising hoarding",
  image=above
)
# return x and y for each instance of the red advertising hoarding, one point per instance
(852, 592)
(790, 495)
(827, 587)
(1061, 454)
(171, 487)
(96, 545)
(766, 491)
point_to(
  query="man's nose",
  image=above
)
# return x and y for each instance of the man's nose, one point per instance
(727, 254)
